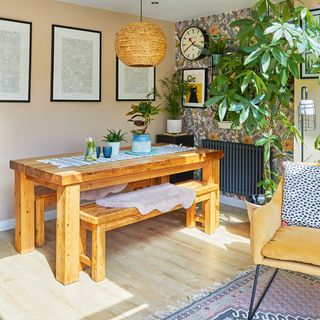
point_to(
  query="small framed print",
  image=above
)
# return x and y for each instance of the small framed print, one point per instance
(15, 66)
(135, 84)
(76, 64)
(197, 87)
(306, 68)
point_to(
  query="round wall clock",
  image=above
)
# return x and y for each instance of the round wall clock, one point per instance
(192, 42)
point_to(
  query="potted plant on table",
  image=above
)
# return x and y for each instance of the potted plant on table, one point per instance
(173, 90)
(256, 81)
(141, 116)
(113, 139)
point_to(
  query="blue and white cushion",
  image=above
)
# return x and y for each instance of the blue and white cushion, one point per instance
(301, 195)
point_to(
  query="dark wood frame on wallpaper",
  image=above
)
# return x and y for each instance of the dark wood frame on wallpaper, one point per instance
(205, 87)
(117, 84)
(52, 64)
(28, 98)
(302, 65)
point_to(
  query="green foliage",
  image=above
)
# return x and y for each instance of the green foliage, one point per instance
(216, 44)
(256, 81)
(114, 136)
(173, 90)
(141, 115)
(317, 143)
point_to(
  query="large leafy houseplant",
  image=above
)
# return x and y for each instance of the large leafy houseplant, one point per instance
(256, 81)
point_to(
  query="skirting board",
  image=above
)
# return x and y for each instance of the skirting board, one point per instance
(50, 215)
(10, 223)
(234, 202)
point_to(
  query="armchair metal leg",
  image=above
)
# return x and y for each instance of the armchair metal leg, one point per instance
(252, 309)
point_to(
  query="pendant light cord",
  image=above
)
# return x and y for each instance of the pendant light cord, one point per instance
(140, 10)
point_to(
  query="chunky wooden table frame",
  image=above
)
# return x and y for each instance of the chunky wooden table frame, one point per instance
(70, 181)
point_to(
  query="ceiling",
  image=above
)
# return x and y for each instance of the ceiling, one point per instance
(171, 10)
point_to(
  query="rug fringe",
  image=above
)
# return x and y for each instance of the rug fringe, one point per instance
(169, 310)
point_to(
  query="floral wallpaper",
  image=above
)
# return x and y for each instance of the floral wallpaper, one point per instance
(199, 121)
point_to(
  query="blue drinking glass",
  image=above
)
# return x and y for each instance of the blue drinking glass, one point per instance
(107, 151)
(98, 152)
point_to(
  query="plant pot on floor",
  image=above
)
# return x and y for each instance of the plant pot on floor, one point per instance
(253, 203)
(141, 143)
(115, 148)
(174, 126)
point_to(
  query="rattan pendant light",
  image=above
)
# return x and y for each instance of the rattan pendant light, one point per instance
(141, 44)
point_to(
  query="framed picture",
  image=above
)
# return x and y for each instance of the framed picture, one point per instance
(135, 84)
(15, 66)
(197, 93)
(306, 68)
(75, 64)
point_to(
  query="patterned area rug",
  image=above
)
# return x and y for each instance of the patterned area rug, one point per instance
(292, 296)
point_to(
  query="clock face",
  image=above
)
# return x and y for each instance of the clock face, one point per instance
(192, 43)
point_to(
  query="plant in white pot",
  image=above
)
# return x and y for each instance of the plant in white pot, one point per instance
(141, 116)
(113, 139)
(173, 89)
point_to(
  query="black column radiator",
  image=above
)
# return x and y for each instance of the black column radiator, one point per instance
(241, 167)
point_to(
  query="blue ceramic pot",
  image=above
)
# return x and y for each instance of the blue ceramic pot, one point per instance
(107, 151)
(141, 143)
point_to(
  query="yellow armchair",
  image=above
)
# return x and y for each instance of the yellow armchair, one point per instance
(281, 247)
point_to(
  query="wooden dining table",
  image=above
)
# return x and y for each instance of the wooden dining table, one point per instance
(68, 182)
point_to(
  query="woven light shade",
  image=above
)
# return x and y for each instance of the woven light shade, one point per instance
(141, 44)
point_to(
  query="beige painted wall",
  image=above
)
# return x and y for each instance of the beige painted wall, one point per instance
(310, 154)
(43, 127)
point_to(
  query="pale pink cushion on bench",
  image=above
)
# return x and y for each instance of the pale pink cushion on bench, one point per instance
(162, 197)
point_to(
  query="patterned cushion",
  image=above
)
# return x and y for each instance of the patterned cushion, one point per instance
(301, 195)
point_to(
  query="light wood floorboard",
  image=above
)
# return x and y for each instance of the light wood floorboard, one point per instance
(150, 265)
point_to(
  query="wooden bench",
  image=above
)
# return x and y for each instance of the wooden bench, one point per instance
(99, 220)
(45, 197)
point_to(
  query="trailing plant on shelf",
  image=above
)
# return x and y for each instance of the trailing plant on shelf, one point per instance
(114, 136)
(256, 81)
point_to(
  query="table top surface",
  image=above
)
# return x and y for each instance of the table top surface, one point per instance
(51, 173)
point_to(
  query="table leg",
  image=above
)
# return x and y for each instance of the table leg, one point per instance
(24, 213)
(211, 210)
(67, 234)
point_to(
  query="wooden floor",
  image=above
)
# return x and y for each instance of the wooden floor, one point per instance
(150, 265)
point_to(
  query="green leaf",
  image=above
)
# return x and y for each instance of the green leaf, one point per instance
(223, 109)
(284, 76)
(213, 101)
(262, 9)
(279, 56)
(245, 82)
(293, 67)
(253, 56)
(275, 27)
(244, 115)
(265, 61)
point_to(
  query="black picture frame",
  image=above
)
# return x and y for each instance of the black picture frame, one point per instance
(200, 74)
(80, 33)
(26, 96)
(308, 56)
(120, 96)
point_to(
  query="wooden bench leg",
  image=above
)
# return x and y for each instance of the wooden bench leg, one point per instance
(208, 208)
(83, 246)
(39, 203)
(98, 260)
(191, 215)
